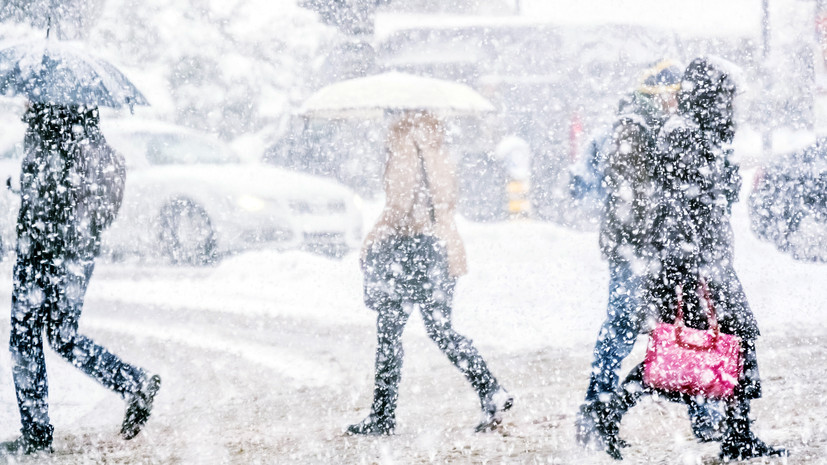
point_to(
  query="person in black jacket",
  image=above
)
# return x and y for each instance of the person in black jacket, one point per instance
(626, 174)
(71, 188)
(691, 239)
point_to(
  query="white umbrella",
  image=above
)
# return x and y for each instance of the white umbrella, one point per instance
(370, 96)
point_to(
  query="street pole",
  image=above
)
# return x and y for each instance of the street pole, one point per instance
(766, 135)
(820, 70)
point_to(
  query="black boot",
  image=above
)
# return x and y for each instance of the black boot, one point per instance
(382, 418)
(586, 426)
(373, 425)
(23, 446)
(739, 442)
(599, 421)
(492, 407)
(607, 416)
(30, 442)
(139, 406)
(389, 353)
(707, 421)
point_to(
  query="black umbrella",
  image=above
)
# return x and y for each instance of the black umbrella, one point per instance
(59, 73)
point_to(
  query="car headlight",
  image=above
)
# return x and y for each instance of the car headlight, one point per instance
(251, 203)
(358, 202)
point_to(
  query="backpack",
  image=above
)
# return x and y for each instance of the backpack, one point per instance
(102, 183)
(627, 206)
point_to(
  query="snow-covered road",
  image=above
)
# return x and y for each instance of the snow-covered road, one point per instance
(266, 357)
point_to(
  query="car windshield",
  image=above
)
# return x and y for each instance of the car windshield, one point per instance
(175, 149)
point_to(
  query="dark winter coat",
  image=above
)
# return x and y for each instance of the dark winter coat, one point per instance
(627, 179)
(696, 184)
(71, 181)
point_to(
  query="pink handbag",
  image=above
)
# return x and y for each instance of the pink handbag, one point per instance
(692, 361)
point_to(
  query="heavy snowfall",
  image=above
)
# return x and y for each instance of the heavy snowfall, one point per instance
(253, 313)
(268, 357)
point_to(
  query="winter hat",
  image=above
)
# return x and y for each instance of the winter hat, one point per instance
(707, 93)
(662, 77)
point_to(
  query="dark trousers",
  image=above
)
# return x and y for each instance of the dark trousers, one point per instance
(619, 331)
(48, 298)
(402, 274)
(617, 337)
(634, 388)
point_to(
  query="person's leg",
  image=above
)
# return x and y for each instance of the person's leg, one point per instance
(30, 304)
(606, 413)
(739, 442)
(436, 313)
(609, 414)
(390, 322)
(618, 333)
(708, 416)
(384, 280)
(707, 419)
(79, 350)
(131, 382)
(614, 343)
(435, 302)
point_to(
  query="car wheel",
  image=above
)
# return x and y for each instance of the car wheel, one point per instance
(186, 233)
(808, 239)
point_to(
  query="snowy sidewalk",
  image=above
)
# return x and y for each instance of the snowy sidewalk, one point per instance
(268, 356)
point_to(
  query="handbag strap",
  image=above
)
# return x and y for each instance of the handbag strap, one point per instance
(703, 292)
(431, 210)
(711, 315)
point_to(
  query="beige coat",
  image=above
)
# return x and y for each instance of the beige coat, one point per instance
(406, 209)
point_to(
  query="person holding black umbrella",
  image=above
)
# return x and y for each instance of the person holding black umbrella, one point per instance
(72, 185)
(71, 188)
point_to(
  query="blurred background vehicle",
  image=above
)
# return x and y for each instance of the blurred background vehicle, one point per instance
(347, 150)
(788, 204)
(554, 71)
(191, 199)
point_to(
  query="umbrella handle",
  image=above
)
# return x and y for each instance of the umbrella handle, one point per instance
(9, 186)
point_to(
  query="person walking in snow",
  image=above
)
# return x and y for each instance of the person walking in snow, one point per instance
(691, 240)
(411, 259)
(71, 188)
(626, 166)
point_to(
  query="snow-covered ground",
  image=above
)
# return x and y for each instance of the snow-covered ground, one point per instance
(266, 357)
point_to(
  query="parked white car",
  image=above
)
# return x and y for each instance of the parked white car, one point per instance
(190, 198)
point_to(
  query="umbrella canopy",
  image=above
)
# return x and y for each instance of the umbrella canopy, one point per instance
(59, 73)
(372, 95)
